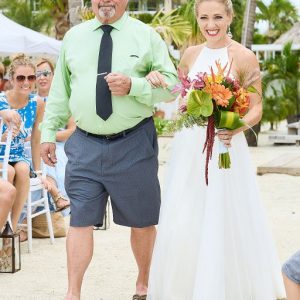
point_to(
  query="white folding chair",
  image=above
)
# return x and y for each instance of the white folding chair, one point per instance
(36, 185)
(4, 158)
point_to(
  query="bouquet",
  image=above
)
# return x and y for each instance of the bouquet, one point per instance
(215, 100)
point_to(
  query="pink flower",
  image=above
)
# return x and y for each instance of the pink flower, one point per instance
(184, 85)
(199, 83)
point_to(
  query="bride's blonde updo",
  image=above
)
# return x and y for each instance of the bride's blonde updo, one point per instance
(18, 60)
(227, 3)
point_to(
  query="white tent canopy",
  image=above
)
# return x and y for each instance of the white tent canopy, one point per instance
(16, 38)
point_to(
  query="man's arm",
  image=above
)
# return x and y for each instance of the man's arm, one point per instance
(142, 90)
(57, 112)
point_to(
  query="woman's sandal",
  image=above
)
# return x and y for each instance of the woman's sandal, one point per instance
(60, 197)
(22, 233)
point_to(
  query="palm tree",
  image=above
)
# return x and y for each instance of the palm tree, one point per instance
(283, 71)
(248, 24)
(60, 13)
(172, 27)
(280, 16)
(188, 13)
(21, 11)
(247, 40)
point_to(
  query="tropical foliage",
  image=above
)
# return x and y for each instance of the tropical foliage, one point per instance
(280, 16)
(172, 27)
(187, 12)
(58, 9)
(281, 92)
(21, 12)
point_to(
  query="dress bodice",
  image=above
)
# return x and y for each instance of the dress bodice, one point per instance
(28, 116)
(207, 58)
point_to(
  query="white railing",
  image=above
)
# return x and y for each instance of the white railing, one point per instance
(265, 51)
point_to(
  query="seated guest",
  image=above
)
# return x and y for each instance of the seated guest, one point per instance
(4, 83)
(30, 108)
(7, 190)
(55, 175)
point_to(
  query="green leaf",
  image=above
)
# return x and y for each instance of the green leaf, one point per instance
(252, 89)
(200, 104)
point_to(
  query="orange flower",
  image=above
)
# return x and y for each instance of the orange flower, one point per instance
(242, 101)
(219, 93)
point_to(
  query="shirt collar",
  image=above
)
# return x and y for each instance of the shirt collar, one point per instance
(116, 25)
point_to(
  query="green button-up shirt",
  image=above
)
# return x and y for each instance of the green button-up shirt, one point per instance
(137, 50)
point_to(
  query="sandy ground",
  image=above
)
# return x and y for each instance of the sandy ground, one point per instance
(111, 274)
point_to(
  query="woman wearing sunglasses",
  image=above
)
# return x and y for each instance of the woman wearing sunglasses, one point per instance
(55, 175)
(30, 108)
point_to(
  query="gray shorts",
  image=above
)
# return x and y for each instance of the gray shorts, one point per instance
(292, 268)
(124, 169)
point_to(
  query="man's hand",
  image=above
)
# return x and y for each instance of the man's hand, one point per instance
(118, 84)
(48, 154)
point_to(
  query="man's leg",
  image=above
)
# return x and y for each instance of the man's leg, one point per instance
(80, 245)
(142, 242)
(292, 288)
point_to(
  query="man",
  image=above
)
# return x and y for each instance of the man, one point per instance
(291, 277)
(113, 151)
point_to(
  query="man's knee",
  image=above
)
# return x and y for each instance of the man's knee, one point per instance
(143, 230)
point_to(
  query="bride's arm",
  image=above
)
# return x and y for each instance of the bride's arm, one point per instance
(248, 63)
(254, 113)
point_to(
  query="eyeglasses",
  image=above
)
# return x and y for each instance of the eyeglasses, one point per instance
(45, 73)
(22, 78)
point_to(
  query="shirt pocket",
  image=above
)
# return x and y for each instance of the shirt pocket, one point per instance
(134, 64)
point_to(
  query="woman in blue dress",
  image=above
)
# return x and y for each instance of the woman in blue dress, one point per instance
(30, 108)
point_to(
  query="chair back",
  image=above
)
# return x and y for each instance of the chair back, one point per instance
(4, 158)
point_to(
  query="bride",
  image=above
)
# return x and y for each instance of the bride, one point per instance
(213, 241)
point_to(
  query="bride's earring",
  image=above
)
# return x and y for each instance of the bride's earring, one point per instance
(229, 33)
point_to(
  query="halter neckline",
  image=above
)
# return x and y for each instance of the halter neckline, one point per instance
(218, 48)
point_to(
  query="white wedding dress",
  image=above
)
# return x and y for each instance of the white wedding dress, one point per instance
(213, 242)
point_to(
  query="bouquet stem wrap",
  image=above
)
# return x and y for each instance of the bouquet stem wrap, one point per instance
(227, 120)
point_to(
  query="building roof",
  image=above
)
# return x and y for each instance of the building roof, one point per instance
(292, 35)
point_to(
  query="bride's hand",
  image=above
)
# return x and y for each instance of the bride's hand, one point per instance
(225, 137)
(156, 79)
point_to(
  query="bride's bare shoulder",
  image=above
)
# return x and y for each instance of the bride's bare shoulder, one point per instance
(242, 56)
(245, 64)
(189, 56)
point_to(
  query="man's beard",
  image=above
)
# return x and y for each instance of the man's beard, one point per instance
(106, 12)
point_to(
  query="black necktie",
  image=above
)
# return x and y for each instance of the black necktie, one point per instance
(103, 94)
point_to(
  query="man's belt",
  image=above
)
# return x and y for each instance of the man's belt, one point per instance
(116, 135)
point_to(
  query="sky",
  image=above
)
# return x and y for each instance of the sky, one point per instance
(262, 26)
